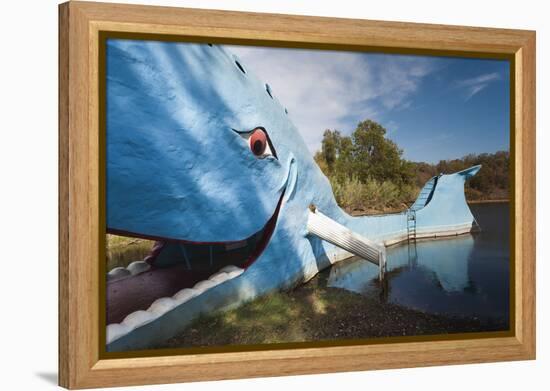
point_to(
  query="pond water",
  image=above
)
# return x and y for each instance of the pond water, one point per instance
(467, 275)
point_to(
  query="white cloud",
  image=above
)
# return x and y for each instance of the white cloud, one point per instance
(477, 84)
(334, 89)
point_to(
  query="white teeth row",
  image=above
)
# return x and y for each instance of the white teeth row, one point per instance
(120, 273)
(165, 304)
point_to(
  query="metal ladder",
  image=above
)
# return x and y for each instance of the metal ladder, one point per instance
(413, 255)
(411, 225)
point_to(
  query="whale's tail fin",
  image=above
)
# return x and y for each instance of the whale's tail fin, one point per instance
(441, 204)
(430, 188)
(469, 172)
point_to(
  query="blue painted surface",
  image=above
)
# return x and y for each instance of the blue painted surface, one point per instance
(177, 169)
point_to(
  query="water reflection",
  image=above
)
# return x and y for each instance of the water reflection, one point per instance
(467, 275)
(448, 269)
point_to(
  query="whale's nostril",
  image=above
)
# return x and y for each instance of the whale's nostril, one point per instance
(240, 66)
(268, 90)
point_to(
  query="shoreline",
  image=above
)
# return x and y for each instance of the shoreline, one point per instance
(498, 201)
(385, 211)
(318, 313)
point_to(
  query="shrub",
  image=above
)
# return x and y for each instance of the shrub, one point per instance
(354, 195)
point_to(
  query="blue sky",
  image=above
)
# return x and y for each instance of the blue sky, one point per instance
(434, 108)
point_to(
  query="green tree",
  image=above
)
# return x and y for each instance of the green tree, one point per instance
(329, 147)
(345, 158)
(377, 157)
(320, 160)
(367, 170)
(491, 182)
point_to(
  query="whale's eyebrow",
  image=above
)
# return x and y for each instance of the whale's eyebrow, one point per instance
(244, 133)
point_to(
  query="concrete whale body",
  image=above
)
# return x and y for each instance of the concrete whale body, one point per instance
(179, 168)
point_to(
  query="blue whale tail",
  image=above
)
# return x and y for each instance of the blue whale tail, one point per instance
(441, 208)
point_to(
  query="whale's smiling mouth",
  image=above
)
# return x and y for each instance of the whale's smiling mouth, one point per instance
(181, 269)
(212, 256)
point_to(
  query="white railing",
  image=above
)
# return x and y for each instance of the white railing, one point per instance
(335, 233)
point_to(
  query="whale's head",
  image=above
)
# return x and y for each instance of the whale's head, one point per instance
(201, 153)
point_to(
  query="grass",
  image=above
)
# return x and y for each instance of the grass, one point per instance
(372, 196)
(314, 312)
(278, 317)
(121, 250)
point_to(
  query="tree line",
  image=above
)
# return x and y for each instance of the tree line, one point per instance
(369, 174)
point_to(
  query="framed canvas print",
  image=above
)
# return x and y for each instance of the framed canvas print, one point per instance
(254, 195)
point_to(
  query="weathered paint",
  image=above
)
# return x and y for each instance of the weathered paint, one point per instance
(177, 168)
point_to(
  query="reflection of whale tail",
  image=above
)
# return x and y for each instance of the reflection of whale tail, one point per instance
(441, 207)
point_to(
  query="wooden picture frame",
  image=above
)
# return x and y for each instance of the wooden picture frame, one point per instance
(81, 222)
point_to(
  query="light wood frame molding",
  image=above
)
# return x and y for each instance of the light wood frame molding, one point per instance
(81, 364)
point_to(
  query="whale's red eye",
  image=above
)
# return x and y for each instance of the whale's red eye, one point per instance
(258, 142)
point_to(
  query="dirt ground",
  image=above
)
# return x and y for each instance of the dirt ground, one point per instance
(314, 312)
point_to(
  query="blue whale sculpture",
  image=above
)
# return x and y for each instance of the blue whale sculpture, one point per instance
(203, 158)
